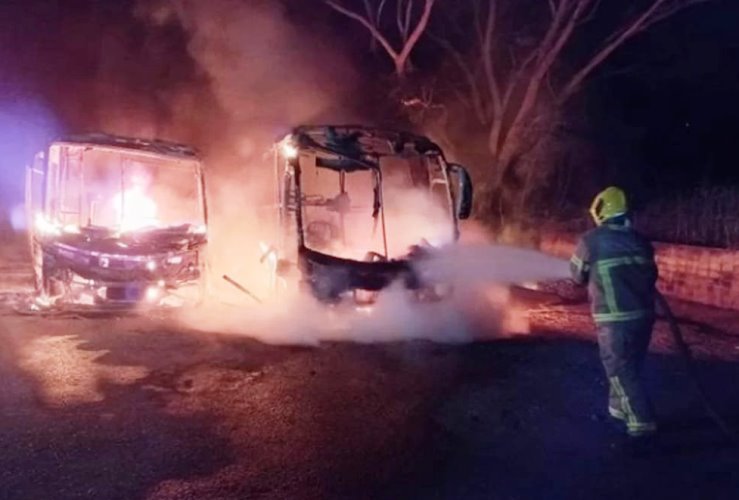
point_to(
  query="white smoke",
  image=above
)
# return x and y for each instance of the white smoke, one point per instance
(484, 264)
(267, 75)
(477, 308)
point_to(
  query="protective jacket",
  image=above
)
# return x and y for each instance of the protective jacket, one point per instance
(617, 263)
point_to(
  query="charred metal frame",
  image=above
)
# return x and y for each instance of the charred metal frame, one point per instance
(327, 276)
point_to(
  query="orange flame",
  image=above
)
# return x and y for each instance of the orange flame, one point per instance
(135, 209)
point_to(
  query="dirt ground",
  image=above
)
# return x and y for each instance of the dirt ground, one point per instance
(134, 408)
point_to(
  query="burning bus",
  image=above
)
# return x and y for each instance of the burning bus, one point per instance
(117, 223)
(357, 206)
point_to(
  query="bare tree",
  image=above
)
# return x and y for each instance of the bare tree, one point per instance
(505, 88)
(510, 60)
(411, 20)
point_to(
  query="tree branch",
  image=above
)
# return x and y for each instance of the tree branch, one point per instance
(408, 16)
(369, 11)
(477, 102)
(586, 18)
(619, 37)
(367, 24)
(380, 10)
(487, 57)
(478, 24)
(558, 39)
(415, 36)
(671, 10)
(399, 22)
(400, 58)
(373, 19)
(517, 76)
(558, 15)
(548, 58)
(558, 18)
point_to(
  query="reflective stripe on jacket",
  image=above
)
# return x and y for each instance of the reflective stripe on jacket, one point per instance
(617, 263)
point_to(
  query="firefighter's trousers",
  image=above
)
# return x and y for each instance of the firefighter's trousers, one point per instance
(623, 347)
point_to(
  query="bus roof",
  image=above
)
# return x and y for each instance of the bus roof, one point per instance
(152, 146)
(362, 139)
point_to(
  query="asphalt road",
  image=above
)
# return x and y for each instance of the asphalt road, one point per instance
(137, 408)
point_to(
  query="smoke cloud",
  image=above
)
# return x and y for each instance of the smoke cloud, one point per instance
(478, 307)
(230, 77)
(267, 76)
(264, 76)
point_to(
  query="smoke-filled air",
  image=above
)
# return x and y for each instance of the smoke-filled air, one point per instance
(256, 76)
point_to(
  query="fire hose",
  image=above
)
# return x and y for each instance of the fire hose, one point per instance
(690, 367)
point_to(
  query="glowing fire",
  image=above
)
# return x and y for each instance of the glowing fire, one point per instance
(289, 150)
(46, 227)
(134, 209)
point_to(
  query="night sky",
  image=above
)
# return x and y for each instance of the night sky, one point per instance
(668, 101)
(678, 100)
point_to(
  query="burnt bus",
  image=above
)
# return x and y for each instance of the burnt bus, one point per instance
(357, 206)
(117, 223)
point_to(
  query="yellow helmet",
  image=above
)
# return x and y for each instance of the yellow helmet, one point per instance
(611, 202)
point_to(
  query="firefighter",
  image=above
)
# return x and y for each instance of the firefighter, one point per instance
(618, 266)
